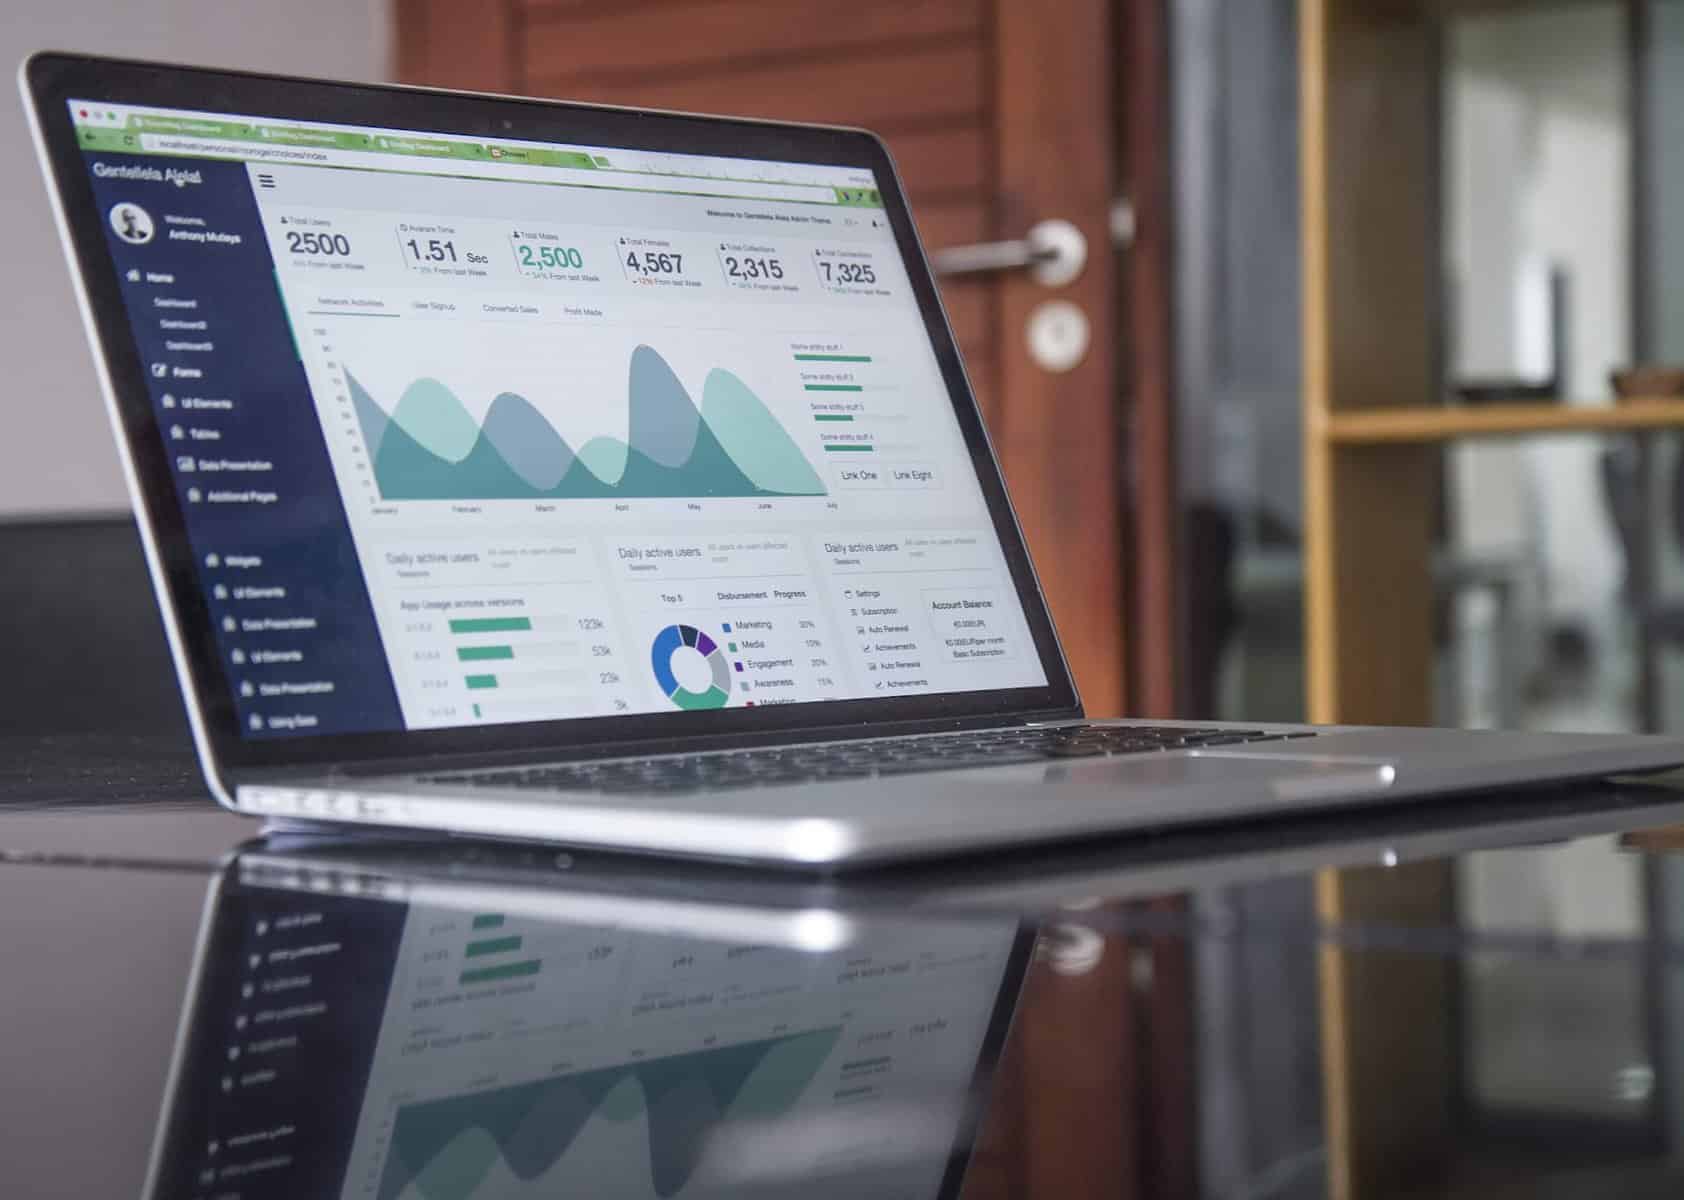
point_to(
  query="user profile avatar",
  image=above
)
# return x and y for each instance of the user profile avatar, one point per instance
(132, 223)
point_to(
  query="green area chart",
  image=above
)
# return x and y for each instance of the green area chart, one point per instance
(445, 1149)
(429, 447)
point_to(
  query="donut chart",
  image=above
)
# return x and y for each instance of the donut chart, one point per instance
(676, 638)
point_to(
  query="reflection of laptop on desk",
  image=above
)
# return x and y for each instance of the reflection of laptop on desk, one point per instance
(355, 1031)
(537, 470)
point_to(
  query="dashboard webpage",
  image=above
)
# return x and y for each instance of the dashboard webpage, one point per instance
(477, 431)
(466, 1042)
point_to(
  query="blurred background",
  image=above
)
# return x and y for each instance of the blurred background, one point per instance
(1161, 473)
(1326, 425)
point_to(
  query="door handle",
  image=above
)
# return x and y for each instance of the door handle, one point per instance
(1053, 252)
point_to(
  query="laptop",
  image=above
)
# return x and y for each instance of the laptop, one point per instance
(519, 469)
(355, 1028)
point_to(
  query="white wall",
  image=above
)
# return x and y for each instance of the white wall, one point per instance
(1537, 172)
(57, 453)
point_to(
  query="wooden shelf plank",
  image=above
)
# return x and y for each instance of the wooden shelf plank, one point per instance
(1391, 426)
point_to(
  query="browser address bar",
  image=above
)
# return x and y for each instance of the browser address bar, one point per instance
(167, 143)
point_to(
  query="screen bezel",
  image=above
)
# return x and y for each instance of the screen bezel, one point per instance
(54, 79)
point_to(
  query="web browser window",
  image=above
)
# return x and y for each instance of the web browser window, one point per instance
(476, 431)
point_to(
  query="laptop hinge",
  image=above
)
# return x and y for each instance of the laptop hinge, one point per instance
(399, 765)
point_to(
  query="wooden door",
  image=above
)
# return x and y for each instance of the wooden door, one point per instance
(1000, 113)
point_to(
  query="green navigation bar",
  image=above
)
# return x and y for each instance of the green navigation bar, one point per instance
(127, 137)
(215, 136)
(861, 197)
(115, 141)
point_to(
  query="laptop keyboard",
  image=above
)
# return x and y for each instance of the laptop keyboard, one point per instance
(855, 759)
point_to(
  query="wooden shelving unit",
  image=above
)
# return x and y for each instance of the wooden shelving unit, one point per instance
(1367, 112)
(1413, 426)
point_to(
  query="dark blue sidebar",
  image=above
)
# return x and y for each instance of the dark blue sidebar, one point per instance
(283, 1033)
(294, 623)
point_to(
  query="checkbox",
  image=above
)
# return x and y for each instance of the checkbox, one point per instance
(158, 370)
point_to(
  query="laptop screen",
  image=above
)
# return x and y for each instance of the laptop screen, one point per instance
(473, 431)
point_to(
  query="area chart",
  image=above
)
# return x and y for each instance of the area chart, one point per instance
(445, 1149)
(430, 447)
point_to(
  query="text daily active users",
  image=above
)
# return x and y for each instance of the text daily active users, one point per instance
(603, 431)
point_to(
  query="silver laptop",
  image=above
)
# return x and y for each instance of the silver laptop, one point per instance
(519, 469)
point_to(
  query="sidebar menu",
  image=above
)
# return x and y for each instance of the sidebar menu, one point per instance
(294, 624)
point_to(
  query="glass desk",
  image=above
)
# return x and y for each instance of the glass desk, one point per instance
(1476, 998)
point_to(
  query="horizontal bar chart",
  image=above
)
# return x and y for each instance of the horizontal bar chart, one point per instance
(490, 624)
(517, 651)
(514, 970)
(497, 945)
(518, 680)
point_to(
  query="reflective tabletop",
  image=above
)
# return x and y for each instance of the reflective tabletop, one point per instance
(1480, 997)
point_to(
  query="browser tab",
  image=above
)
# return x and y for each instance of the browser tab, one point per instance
(211, 135)
(294, 135)
(415, 145)
(197, 127)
